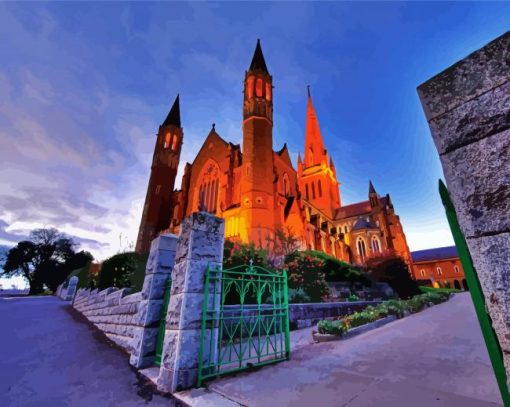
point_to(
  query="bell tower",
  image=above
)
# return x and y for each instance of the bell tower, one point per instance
(257, 200)
(159, 200)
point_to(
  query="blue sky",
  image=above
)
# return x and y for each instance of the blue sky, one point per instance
(83, 88)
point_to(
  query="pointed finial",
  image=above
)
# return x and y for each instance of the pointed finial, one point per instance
(308, 88)
(213, 125)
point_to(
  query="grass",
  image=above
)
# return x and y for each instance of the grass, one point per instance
(438, 290)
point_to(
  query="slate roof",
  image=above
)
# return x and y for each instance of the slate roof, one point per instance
(439, 253)
(362, 223)
(357, 209)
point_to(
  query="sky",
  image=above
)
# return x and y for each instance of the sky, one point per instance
(84, 87)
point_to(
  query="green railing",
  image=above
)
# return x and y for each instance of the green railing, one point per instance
(491, 340)
(245, 320)
(162, 322)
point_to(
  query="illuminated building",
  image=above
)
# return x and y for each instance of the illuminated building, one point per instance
(257, 190)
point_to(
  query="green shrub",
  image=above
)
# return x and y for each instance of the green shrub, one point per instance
(305, 272)
(337, 327)
(123, 270)
(416, 304)
(352, 297)
(297, 295)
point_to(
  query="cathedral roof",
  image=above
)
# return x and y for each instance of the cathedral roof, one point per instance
(258, 62)
(174, 116)
(357, 209)
(362, 223)
(284, 155)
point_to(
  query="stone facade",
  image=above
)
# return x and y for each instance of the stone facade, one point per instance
(67, 292)
(468, 110)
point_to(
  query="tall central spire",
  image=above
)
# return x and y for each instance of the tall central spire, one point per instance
(258, 62)
(314, 146)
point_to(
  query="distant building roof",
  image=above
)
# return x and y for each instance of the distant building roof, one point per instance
(439, 253)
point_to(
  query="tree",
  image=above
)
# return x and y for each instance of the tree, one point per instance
(44, 260)
(394, 271)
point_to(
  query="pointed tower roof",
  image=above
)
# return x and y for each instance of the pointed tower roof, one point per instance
(314, 146)
(371, 189)
(299, 158)
(258, 62)
(174, 116)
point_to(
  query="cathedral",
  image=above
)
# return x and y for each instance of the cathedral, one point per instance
(258, 191)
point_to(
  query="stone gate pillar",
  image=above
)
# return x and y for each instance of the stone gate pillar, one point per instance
(158, 270)
(71, 288)
(468, 111)
(200, 245)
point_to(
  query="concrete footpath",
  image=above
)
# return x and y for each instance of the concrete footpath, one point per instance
(50, 356)
(433, 358)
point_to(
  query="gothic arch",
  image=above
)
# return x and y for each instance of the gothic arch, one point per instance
(362, 248)
(206, 193)
(376, 244)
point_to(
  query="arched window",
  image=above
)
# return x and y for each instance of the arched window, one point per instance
(167, 140)
(362, 251)
(249, 87)
(286, 185)
(376, 246)
(313, 190)
(207, 193)
(320, 188)
(456, 269)
(268, 91)
(306, 191)
(439, 271)
(174, 143)
(346, 230)
(422, 272)
(258, 88)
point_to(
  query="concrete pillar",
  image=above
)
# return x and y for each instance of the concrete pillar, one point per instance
(468, 111)
(200, 245)
(71, 288)
(158, 270)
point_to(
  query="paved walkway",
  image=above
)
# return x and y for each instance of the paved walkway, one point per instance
(434, 358)
(50, 357)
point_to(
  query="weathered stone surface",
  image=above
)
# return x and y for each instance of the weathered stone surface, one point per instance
(479, 118)
(149, 313)
(476, 74)
(468, 110)
(172, 381)
(154, 286)
(478, 177)
(199, 238)
(189, 276)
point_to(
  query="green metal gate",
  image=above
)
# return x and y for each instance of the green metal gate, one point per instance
(245, 320)
(162, 322)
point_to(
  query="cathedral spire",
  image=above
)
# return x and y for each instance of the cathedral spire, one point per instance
(371, 189)
(174, 116)
(315, 152)
(258, 62)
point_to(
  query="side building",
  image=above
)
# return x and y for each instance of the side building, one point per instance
(439, 267)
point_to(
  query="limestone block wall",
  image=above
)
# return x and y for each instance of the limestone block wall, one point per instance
(468, 110)
(112, 311)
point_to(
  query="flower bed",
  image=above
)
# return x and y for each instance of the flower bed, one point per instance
(396, 308)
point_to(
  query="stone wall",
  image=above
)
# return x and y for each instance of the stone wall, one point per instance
(468, 111)
(112, 311)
